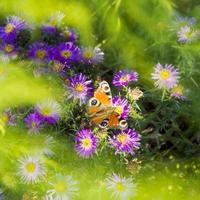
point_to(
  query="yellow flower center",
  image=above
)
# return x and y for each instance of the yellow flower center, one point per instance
(46, 111)
(165, 74)
(31, 167)
(34, 125)
(189, 34)
(124, 78)
(122, 138)
(120, 187)
(5, 119)
(88, 55)
(9, 48)
(61, 187)
(119, 110)
(9, 28)
(58, 67)
(41, 54)
(178, 90)
(80, 87)
(66, 54)
(86, 143)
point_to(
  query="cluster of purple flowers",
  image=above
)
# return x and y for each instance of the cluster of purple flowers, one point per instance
(58, 49)
(123, 141)
(48, 111)
(9, 34)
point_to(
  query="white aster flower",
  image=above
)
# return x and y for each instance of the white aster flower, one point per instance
(49, 143)
(186, 34)
(64, 188)
(31, 170)
(121, 187)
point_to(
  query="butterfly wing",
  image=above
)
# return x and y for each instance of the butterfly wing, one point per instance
(101, 111)
(114, 121)
(101, 101)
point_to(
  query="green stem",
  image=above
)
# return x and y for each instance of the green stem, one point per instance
(163, 95)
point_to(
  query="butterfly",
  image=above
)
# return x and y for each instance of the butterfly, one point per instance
(101, 111)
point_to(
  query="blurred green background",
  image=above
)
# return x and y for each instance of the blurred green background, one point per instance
(134, 34)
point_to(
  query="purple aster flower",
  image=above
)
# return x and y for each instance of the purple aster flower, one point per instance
(126, 141)
(40, 52)
(165, 76)
(49, 110)
(86, 143)
(13, 25)
(70, 34)
(123, 108)
(178, 92)
(92, 55)
(67, 53)
(186, 21)
(80, 88)
(122, 78)
(8, 117)
(49, 29)
(34, 122)
(186, 34)
(9, 49)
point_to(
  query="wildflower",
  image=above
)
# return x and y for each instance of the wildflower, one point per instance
(13, 25)
(80, 88)
(40, 52)
(8, 117)
(34, 122)
(86, 143)
(121, 187)
(56, 18)
(49, 110)
(123, 108)
(165, 76)
(123, 78)
(134, 94)
(178, 92)
(70, 34)
(49, 29)
(186, 21)
(64, 187)
(126, 141)
(92, 56)
(59, 67)
(48, 145)
(31, 170)
(67, 53)
(186, 34)
(9, 49)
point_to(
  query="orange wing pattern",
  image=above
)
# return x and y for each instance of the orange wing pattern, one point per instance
(100, 108)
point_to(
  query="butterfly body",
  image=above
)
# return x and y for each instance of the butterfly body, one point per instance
(101, 110)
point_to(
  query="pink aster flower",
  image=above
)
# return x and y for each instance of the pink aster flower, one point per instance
(86, 143)
(126, 141)
(123, 78)
(165, 76)
(123, 108)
